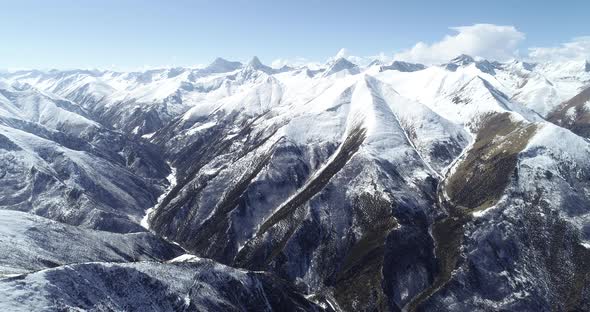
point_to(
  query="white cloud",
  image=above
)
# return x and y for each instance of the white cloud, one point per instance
(578, 49)
(489, 41)
(484, 40)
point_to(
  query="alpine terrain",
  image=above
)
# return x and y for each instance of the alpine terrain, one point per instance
(463, 186)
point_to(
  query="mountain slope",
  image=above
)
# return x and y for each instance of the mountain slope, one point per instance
(305, 171)
(30, 243)
(197, 285)
(574, 114)
(64, 166)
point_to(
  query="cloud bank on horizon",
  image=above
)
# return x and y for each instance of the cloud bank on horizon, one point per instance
(577, 49)
(489, 41)
(483, 40)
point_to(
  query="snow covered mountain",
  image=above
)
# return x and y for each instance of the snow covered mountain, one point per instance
(457, 187)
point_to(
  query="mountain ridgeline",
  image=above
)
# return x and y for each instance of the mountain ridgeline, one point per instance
(242, 187)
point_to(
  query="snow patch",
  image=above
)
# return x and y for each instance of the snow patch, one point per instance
(200, 128)
(172, 183)
(483, 212)
(148, 135)
(186, 258)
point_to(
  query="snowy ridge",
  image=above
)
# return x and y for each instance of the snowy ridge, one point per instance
(540, 87)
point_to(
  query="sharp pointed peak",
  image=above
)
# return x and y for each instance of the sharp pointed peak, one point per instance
(255, 61)
(256, 64)
(342, 61)
(341, 64)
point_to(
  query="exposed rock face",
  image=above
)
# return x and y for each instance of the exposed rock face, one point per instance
(514, 240)
(574, 114)
(403, 67)
(480, 179)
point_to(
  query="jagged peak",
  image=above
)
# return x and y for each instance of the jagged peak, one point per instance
(463, 59)
(518, 63)
(403, 66)
(528, 66)
(486, 66)
(341, 64)
(343, 61)
(284, 68)
(458, 61)
(23, 86)
(255, 62)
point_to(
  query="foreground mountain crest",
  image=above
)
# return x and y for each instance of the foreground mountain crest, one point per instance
(399, 187)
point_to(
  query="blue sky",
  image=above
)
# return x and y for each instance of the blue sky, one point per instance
(132, 34)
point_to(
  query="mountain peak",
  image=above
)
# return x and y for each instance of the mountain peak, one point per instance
(587, 67)
(341, 64)
(528, 66)
(219, 60)
(343, 60)
(458, 61)
(221, 65)
(403, 66)
(463, 59)
(255, 62)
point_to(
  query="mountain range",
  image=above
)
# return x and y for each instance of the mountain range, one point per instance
(463, 186)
